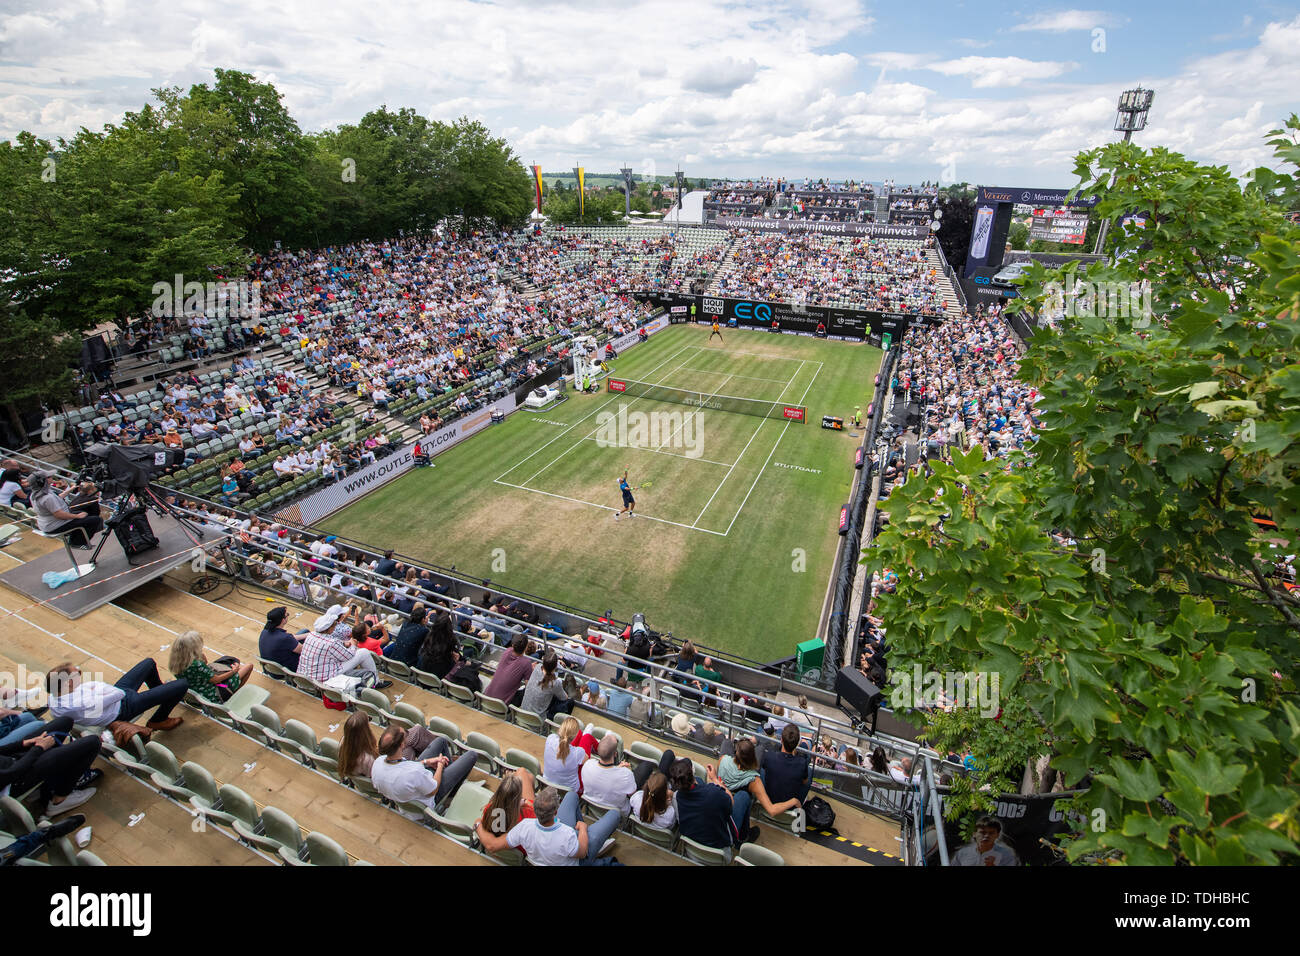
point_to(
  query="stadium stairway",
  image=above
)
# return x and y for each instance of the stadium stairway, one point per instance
(946, 290)
(723, 265)
(397, 429)
(144, 623)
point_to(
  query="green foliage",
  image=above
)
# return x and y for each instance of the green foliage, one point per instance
(1156, 655)
(36, 359)
(1018, 235)
(190, 185)
(117, 212)
(241, 129)
(604, 207)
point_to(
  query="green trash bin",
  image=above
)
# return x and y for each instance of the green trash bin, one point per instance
(809, 655)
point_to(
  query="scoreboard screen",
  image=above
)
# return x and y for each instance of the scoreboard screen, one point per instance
(1059, 225)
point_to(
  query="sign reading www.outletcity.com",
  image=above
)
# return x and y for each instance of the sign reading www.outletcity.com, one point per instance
(333, 497)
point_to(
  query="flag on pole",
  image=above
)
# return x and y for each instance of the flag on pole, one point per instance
(582, 194)
(537, 186)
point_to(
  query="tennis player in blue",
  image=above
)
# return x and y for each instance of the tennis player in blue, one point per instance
(629, 503)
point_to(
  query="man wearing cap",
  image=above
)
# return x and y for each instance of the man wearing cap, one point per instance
(54, 515)
(325, 547)
(620, 700)
(277, 644)
(324, 657)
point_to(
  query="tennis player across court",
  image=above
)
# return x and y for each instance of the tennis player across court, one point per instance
(629, 503)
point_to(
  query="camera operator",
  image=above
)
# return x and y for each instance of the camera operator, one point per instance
(54, 514)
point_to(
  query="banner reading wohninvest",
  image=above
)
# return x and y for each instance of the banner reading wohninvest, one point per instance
(872, 230)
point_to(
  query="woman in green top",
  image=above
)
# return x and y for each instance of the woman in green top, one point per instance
(187, 661)
(739, 774)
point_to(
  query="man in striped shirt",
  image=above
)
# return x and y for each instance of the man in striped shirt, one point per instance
(324, 657)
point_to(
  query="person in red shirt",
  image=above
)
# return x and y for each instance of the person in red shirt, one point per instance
(362, 636)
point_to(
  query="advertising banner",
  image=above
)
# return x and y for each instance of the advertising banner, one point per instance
(1058, 225)
(331, 498)
(1030, 197)
(629, 339)
(979, 242)
(872, 230)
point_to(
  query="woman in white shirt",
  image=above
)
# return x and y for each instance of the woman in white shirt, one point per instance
(562, 758)
(654, 805)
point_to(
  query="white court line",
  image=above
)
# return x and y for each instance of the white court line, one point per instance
(772, 452)
(687, 417)
(592, 504)
(745, 449)
(592, 412)
(707, 461)
(775, 358)
(752, 378)
(594, 430)
(728, 475)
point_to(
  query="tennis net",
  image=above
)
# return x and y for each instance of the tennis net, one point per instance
(725, 403)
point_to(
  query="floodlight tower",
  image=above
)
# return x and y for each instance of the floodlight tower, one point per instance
(1130, 118)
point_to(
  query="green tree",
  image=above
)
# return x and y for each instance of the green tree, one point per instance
(240, 128)
(604, 207)
(489, 183)
(1018, 235)
(1155, 655)
(122, 210)
(37, 358)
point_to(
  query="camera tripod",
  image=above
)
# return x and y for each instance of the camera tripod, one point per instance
(144, 498)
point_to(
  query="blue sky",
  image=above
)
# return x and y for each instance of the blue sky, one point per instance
(992, 93)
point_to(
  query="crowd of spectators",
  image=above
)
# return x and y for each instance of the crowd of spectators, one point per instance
(848, 271)
(963, 372)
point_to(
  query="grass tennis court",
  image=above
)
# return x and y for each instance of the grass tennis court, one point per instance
(735, 530)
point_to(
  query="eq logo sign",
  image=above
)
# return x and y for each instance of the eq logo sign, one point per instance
(981, 280)
(713, 306)
(762, 312)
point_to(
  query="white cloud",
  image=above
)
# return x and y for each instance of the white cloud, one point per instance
(780, 87)
(720, 77)
(1066, 21)
(990, 71)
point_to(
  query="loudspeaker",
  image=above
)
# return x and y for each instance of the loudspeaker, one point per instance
(854, 687)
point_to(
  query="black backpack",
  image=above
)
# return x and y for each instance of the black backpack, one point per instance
(134, 533)
(818, 814)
